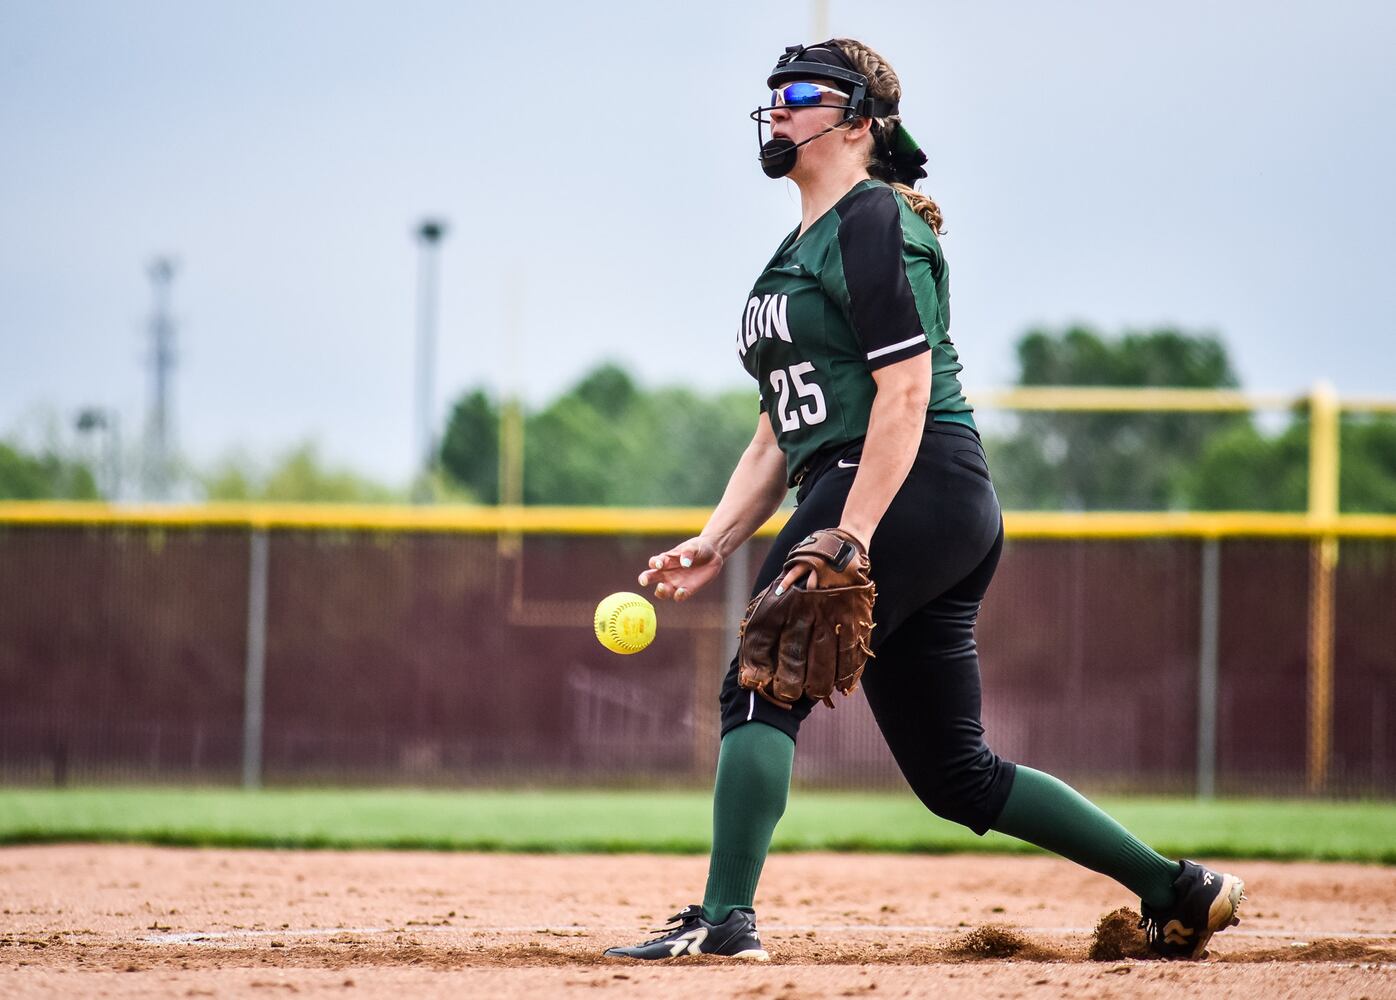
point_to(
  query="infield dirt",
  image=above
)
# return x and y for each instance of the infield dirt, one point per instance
(161, 922)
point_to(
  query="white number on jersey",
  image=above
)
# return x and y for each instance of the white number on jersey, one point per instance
(813, 412)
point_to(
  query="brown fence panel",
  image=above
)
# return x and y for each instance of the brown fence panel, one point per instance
(1264, 652)
(1364, 729)
(121, 652)
(452, 658)
(1090, 658)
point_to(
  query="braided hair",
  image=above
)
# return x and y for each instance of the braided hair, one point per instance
(882, 162)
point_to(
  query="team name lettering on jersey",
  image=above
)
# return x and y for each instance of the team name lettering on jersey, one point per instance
(764, 317)
(863, 287)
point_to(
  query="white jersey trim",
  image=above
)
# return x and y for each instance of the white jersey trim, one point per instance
(920, 337)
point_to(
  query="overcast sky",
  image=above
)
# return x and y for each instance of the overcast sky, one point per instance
(1222, 166)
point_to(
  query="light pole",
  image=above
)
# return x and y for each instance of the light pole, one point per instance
(95, 418)
(160, 430)
(429, 233)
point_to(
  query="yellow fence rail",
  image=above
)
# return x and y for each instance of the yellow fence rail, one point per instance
(459, 519)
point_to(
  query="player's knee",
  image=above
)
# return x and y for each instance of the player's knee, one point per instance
(948, 804)
(964, 793)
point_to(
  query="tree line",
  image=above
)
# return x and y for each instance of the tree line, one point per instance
(608, 440)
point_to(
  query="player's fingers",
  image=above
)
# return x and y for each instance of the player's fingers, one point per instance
(650, 576)
(791, 578)
(661, 591)
(681, 594)
(658, 564)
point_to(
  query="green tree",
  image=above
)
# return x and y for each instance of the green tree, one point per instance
(609, 390)
(575, 455)
(1367, 465)
(298, 476)
(607, 441)
(695, 443)
(1167, 460)
(1080, 355)
(470, 446)
(1110, 460)
(1244, 469)
(43, 476)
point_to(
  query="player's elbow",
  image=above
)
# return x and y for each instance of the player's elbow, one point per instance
(905, 385)
(905, 399)
(917, 397)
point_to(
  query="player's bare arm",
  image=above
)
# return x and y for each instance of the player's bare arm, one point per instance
(754, 491)
(895, 427)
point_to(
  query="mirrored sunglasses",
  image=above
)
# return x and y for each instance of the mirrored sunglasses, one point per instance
(802, 95)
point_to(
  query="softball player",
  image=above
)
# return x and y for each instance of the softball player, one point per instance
(845, 331)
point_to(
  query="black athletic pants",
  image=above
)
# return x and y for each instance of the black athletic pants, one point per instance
(932, 558)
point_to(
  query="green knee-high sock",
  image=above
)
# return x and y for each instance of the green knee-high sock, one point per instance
(1052, 815)
(753, 781)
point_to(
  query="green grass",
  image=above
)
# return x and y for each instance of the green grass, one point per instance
(674, 822)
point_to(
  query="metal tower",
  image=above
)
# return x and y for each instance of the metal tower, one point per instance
(157, 468)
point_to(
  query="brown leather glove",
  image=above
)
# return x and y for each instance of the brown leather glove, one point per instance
(809, 642)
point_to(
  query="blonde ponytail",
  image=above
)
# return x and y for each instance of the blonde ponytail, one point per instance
(923, 205)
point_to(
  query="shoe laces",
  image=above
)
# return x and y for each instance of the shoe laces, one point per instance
(689, 914)
(1152, 928)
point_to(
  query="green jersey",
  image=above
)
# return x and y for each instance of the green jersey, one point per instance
(866, 286)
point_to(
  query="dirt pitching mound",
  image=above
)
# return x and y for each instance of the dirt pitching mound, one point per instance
(1323, 950)
(994, 941)
(1118, 936)
(141, 923)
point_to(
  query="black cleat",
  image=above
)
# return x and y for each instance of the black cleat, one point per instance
(1206, 902)
(735, 937)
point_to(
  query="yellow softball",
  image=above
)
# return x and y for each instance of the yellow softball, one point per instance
(625, 623)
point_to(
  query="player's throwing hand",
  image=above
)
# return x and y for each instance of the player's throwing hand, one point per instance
(681, 571)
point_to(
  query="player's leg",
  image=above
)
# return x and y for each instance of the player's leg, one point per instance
(750, 792)
(754, 764)
(925, 693)
(1183, 903)
(749, 795)
(926, 696)
(758, 743)
(933, 557)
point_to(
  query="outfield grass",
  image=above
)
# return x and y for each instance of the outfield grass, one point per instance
(668, 822)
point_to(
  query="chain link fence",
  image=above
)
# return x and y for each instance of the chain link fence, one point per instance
(236, 654)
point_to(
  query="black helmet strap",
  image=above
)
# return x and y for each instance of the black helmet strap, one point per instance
(817, 62)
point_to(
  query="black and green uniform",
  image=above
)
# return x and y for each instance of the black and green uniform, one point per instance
(865, 287)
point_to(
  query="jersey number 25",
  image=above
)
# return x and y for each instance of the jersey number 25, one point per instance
(813, 412)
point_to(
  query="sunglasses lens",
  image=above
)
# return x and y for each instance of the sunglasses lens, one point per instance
(799, 95)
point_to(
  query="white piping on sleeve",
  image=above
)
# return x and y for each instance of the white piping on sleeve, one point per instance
(895, 347)
(751, 708)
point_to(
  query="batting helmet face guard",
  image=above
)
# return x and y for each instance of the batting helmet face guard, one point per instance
(799, 63)
(826, 61)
